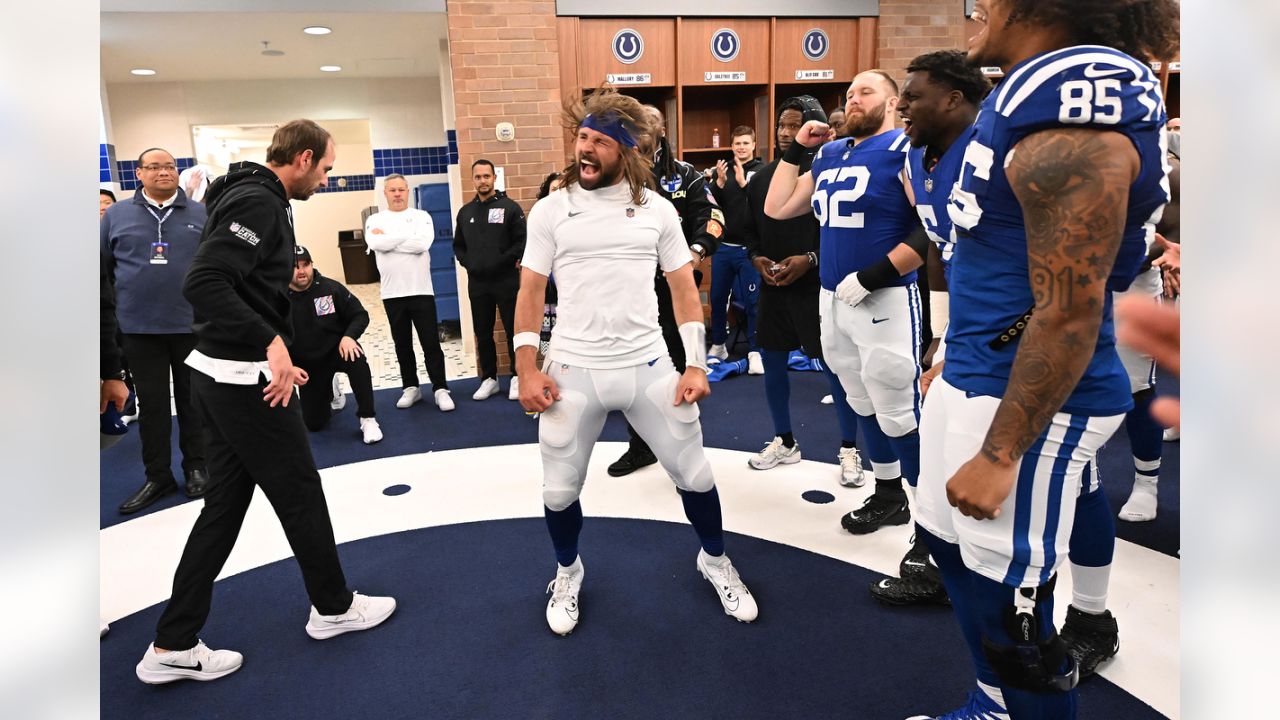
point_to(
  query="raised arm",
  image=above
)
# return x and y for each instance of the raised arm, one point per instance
(791, 193)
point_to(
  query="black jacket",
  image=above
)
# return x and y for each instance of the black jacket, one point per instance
(778, 239)
(489, 236)
(700, 217)
(322, 315)
(236, 284)
(733, 200)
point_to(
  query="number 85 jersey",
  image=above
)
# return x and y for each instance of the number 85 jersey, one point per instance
(1078, 87)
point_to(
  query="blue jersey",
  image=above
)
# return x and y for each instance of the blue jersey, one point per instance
(860, 204)
(1077, 87)
(932, 189)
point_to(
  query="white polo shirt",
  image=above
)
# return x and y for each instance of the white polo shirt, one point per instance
(604, 252)
(403, 251)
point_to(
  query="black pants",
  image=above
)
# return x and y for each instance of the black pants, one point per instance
(251, 444)
(670, 335)
(487, 296)
(151, 360)
(318, 391)
(404, 315)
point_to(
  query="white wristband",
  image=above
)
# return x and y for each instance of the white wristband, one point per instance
(523, 339)
(693, 335)
(939, 312)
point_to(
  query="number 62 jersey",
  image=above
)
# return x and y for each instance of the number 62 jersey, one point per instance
(1078, 87)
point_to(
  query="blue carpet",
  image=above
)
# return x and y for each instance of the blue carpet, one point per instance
(734, 417)
(653, 643)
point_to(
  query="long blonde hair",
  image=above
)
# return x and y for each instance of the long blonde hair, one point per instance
(637, 167)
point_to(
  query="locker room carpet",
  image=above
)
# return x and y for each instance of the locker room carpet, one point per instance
(469, 566)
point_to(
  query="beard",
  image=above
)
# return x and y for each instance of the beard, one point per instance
(864, 125)
(607, 176)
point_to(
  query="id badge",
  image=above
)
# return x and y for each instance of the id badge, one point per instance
(160, 253)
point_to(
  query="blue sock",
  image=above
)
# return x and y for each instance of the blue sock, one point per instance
(777, 389)
(1093, 534)
(884, 461)
(564, 526)
(1146, 437)
(907, 449)
(956, 578)
(703, 511)
(845, 415)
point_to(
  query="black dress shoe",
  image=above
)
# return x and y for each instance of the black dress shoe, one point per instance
(150, 492)
(632, 460)
(197, 483)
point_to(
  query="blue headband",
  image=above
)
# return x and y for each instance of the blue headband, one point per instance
(609, 125)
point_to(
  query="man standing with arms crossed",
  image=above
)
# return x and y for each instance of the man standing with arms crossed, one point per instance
(244, 380)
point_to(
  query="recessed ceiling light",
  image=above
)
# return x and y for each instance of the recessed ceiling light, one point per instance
(266, 50)
(330, 68)
(143, 71)
(316, 30)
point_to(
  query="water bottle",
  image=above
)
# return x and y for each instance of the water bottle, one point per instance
(715, 138)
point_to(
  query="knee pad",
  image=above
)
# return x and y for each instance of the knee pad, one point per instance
(560, 498)
(1031, 663)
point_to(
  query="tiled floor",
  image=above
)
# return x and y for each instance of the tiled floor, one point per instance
(382, 352)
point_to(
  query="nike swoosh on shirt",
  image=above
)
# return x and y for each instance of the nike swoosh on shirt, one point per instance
(1093, 71)
(575, 214)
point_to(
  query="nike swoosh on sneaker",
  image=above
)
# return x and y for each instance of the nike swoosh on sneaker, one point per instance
(913, 563)
(1093, 71)
(731, 603)
(197, 667)
(884, 584)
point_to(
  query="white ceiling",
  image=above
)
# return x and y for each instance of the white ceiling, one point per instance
(228, 45)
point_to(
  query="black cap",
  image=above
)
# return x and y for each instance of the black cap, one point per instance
(301, 253)
(812, 109)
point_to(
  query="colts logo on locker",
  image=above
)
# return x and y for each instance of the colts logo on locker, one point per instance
(725, 45)
(816, 44)
(628, 46)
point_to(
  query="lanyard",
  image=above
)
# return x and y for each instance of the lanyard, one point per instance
(160, 221)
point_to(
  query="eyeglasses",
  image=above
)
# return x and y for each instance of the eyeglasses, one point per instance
(157, 168)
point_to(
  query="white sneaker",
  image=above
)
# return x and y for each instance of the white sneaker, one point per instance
(365, 612)
(562, 608)
(827, 400)
(409, 397)
(718, 351)
(1173, 434)
(851, 468)
(1141, 506)
(444, 400)
(775, 453)
(486, 390)
(339, 398)
(372, 433)
(734, 595)
(198, 663)
(755, 363)
(513, 393)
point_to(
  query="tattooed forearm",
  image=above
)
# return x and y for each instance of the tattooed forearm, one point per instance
(1073, 186)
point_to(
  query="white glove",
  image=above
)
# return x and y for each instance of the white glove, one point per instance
(850, 290)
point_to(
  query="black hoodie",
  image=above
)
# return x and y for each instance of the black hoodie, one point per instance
(238, 281)
(489, 236)
(322, 315)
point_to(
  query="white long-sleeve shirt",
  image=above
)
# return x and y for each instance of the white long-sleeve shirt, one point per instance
(401, 242)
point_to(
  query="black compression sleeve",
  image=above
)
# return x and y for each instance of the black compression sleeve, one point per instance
(881, 275)
(797, 154)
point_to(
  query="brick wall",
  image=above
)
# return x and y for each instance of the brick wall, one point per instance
(912, 27)
(506, 68)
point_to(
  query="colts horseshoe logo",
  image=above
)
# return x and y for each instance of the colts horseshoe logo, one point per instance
(628, 46)
(725, 45)
(816, 44)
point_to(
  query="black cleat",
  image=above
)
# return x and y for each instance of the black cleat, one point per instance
(1091, 639)
(916, 562)
(631, 461)
(876, 512)
(910, 591)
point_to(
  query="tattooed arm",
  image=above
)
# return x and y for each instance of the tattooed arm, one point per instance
(1073, 186)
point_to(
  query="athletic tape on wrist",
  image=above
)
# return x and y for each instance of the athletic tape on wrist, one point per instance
(524, 339)
(939, 311)
(693, 335)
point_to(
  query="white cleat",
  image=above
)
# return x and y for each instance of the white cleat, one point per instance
(851, 468)
(718, 351)
(1142, 502)
(774, 454)
(339, 398)
(198, 663)
(371, 431)
(734, 595)
(562, 608)
(410, 397)
(755, 363)
(365, 612)
(444, 400)
(513, 393)
(487, 389)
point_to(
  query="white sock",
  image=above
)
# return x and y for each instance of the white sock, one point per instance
(717, 560)
(1089, 588)
(1142, 502)
(887, 471)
